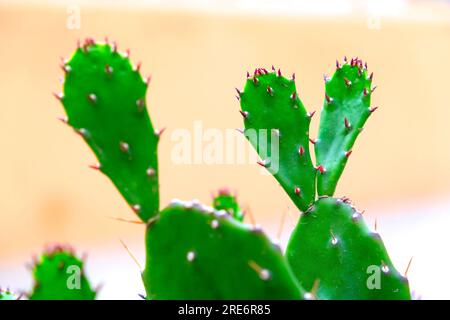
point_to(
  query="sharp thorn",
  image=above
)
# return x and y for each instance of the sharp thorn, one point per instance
(321, 169)
(348, 153)
(311, 114)
(373, 89)
(372, 110)
(301, 151)
(312, 141)
(347, 123)
(244, 114)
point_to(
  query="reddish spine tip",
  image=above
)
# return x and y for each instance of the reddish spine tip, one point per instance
(338, 65)
(348, 153)
(138, 66)
(58, 96)
(279, 72)
(269, 90)
(273, 68)
(148, 80)
(293, 76)
(94, 166)
(63, 120)
(311, 114)
(294, 95)
(346, 123)
(244, 114)
(328, 98)
(255, 80)
(262, 163)
(371, 76)
(238, 91)
(297, 191)
(348, 83)
(365, 92)
(321, 169)
(312, 141)
(160, 132)
(301, 151)
(248, 74)
(371, 110)
(373, 89)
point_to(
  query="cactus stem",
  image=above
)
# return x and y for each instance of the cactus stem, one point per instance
(301, 151)
(191, 256)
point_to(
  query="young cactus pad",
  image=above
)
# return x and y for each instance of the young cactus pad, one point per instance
(225, 200)
(195, 252)
(59, 275)
(332, 245)
(104, 98)
(7, 295)
(346, 109)
(277, 125)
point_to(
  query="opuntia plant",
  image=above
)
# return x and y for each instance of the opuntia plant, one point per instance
(58, 274)
(198, 252)
(331, 244)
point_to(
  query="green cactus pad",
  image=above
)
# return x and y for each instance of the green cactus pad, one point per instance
(195, 252)
(346, 109)
(225, 200)
(59, 275)
(332, 245)
(104, 98)
(7, 295)
(273, 113)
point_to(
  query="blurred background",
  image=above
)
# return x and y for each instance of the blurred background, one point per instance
(197, 52)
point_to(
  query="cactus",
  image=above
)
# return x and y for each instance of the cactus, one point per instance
(277, 125)
(213, 257)
(346, 109)
(7, 295)
(104, 98)
(59, 275)
(190, 254)
(331, 248)
(225, 200)
(333, 245)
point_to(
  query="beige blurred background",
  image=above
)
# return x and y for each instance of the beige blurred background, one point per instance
(197, 52)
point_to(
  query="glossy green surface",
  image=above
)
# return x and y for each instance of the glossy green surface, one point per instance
(277, 125)
(59, 275)
(195, 252)
(332, 244)
(346, 109)
(104, 98)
